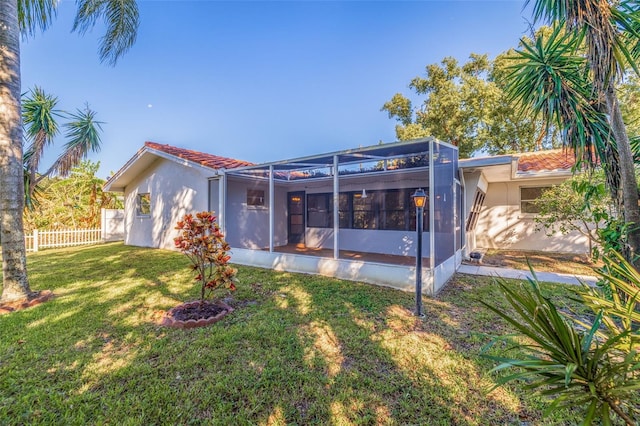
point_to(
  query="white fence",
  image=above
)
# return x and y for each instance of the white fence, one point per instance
(64, 238)
(112, 230)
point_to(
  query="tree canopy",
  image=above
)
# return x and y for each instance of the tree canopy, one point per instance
(72, 202)
(467, 106)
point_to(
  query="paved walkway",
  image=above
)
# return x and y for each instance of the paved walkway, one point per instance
(552, 277)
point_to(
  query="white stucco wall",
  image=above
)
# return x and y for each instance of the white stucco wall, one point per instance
(502, 225)
(112, 223)
(175, 190)
(248, 226)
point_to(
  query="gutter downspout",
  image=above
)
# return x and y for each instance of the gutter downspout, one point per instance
(222, 201)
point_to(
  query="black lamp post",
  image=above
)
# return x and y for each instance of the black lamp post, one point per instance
(419, 198)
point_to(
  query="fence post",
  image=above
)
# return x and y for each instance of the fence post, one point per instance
(35, 240)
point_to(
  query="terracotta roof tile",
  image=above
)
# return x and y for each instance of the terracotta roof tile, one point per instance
(207, 160)
(553, 159)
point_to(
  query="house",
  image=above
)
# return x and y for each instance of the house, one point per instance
(359, 223)
(499, 194)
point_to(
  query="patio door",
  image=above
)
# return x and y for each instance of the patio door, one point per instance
(296, 217)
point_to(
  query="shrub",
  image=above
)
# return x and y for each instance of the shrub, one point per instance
(592, 363)
(203, 243)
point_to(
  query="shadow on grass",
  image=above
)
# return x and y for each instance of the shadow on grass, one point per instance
(298, 350)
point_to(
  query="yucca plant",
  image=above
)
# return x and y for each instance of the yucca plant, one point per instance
(619, 298)
(578, 367)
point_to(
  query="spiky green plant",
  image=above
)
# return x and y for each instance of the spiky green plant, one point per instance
(578, 367)
(619, 299)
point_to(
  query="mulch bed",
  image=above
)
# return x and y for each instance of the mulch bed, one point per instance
(195, 314)
(34, 299)
(197, 311)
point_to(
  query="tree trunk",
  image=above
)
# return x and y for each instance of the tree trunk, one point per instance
(628, 182)
(14, 261)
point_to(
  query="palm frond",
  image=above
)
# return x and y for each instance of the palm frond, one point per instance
(548, 77)
(626, 18)
(39, 119)
(606, 26)
(83, 135)
(576, 367)
(121, 18)
(623, 305)
(634, 141)
(34, 15)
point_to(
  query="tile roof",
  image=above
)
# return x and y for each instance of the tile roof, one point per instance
(549, 160)
(207, 160)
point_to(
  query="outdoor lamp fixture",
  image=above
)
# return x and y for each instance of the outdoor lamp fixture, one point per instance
(420, 199)
(364, 193)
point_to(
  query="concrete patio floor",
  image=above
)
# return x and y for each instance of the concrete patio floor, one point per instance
(350, 255)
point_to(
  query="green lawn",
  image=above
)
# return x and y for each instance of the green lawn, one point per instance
(299, 349)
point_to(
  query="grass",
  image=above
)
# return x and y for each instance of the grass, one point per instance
(299, 349)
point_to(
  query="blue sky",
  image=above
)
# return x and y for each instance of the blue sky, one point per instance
(260, 81)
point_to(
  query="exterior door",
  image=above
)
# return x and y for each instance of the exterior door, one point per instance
(296, 217)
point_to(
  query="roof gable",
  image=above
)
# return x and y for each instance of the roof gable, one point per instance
(207, 160)
(150, 153)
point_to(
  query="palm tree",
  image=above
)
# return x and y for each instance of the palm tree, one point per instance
(26, 17)
(552, 77)
(39, 115)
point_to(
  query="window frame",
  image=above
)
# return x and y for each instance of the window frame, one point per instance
(530, 200)
(327, 211)
(256, 198)
(140, 204)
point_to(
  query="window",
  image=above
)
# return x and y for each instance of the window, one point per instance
(143, 204)
(390, 209)
(475, 210)
(528, 196)
(319, 211)
(255, 197)
(393, 209)
(364, 210)
(425, 214)
(345, 207)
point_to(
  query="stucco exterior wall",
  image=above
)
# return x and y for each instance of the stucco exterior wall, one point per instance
(175, 190)
(502, 225)
(112, 223)
(248, 226)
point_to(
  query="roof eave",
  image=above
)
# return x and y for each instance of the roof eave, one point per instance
(542, 174)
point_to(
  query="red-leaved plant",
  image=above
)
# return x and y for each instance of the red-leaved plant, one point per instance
(202, 242)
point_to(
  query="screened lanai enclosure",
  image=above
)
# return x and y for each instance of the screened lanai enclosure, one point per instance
(347, 214)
